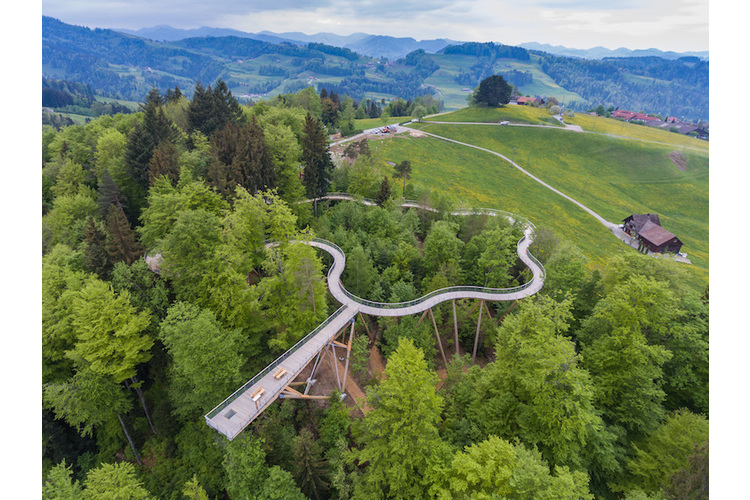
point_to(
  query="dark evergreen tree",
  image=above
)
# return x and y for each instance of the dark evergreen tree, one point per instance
(122, 244)
(253, 161)
(316, 161)
(145, 137)
(330, 112)
(211, 110)
(226, 109)
(384, 193)
(200, 110)
(309, 470)
(138, 153)
(173, 95)
(241, 158)
(164, 163)
(108, 194)
(95, 255)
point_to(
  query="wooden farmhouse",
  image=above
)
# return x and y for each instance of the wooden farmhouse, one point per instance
(647, 229)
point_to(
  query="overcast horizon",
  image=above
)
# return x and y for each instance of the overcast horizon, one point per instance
(667, 25)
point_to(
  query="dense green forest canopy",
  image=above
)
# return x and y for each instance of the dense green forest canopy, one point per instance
(124, 66)
(597, 387)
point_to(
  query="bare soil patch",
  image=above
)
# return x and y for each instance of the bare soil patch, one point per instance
(678, 159)
(325, 383)
(377, 362)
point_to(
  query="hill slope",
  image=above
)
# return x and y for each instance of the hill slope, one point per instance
(126, 66)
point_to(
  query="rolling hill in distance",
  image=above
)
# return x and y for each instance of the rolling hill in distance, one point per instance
(127, 65)
(372, 45)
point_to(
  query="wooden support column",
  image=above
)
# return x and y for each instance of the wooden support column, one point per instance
(334, 365)
(423, 315)
(312, 374)
(513, 305)
(455, 323)
(476, 337)
(437, 335)
(289, 393)
(365, 323)
(489, 314)
(348, 354)
(473, 308)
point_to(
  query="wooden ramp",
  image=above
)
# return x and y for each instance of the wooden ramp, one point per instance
(245, 404)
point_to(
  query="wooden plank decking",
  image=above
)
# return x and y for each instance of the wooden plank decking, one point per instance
(243, 407)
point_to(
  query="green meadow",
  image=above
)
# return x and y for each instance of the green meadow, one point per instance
(454, 94)
(512, 113)
(610, 126)
(612, 176)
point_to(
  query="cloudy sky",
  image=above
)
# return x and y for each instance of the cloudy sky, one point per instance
(679, 25)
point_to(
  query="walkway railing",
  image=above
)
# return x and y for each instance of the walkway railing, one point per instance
(352, 305)
(434, 293)
(273, 365)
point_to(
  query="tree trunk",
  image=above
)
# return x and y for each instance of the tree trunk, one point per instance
(138, 391)
(127, 434)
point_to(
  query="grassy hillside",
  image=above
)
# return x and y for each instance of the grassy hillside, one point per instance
(601, 125)
(454, 94)
(614, 177)
(125, 66)
(511, 113)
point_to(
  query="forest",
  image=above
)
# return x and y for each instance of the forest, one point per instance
(596, 387)
(127, 67)
(673, 88)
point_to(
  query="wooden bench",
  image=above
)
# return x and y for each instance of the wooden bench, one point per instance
(255, 396)
(280, 373)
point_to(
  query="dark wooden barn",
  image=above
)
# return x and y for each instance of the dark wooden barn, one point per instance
(647, 228)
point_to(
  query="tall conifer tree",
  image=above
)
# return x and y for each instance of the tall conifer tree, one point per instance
(123, 245)
(317, 164)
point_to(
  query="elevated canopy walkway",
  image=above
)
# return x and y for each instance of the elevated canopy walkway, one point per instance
(237, 411)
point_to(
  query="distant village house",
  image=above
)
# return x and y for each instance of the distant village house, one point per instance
(531, 101)
(671, 124)
(647, 229)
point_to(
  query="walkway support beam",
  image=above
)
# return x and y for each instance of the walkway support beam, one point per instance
(348, 355)
(455, 323)
(437, 335)
(476, 337)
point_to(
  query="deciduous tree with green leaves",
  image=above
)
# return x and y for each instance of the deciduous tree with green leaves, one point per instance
(88, 401)
(535, 389)
(492, 91)
(114, 482)
(399, 437)
(666, 451)
(624, 352)
(109, 332)
(495, 468)
(206, 359)
(60, 484)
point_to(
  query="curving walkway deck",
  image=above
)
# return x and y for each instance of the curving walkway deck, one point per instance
(236, 412)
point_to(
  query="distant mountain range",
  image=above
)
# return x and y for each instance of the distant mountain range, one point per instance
(388, 46)
(127, 66)
(603, 52)
(362, 43)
